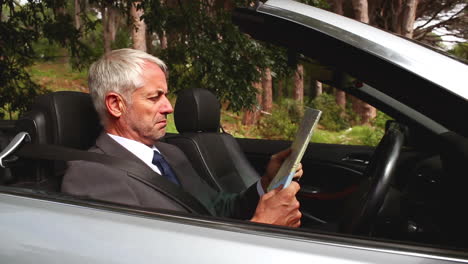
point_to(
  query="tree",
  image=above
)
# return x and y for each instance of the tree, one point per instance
(267, 91)
(251, 115)
(395, 16)
(409, 17)
(21, 25)
(364, 110)
(77, 14)
(110, 19)
(340, 96)
(139, 26)
(298, 92)
(207, 50)
(448, 17)
(361, 10)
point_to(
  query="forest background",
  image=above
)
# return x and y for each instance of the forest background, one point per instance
(47, 45)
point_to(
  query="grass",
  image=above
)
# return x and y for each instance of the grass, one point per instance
(170, 128)
(58, 76)
(358, 135)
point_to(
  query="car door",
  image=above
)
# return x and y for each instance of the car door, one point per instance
(39, 228)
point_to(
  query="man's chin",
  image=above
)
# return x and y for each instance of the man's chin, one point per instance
(161, 133)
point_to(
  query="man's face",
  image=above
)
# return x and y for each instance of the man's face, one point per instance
(146, 114)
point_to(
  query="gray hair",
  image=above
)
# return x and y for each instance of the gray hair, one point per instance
(118, 71)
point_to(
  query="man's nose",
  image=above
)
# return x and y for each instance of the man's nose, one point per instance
(166, 107)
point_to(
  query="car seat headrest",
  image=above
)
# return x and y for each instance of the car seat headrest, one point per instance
(197, 110)
(65, 118)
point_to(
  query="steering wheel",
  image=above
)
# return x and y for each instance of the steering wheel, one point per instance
(371, 195)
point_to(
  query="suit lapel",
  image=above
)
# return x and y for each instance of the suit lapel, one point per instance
(183, 170)
(111, 147)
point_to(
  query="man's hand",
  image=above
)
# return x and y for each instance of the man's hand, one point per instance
(275, 164)
(279, 207)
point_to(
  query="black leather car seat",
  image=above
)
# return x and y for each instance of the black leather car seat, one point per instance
(215, 155)
(63, 118)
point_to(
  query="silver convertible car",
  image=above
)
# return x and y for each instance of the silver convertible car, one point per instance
(400, 202)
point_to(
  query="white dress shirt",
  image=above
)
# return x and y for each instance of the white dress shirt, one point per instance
(138, 149)
(146, 154)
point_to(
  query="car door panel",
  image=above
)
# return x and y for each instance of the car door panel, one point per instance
(41, 231)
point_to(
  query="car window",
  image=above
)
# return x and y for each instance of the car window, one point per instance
(345, 119)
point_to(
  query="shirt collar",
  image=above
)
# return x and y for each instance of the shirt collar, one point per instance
(142, 151)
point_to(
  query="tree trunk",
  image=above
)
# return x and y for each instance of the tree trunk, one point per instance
(105, 31)
(408, 18)
(279, 90)
(77, 14)
(340, 98)
(364, 110)
(361, 10)
(163, 40)
(374, 10)
(318, 88)
(251, 116)
(338, 7)
(298, 93)
(369, 113)
(110, 19)
(315, 89)
(395, 16)
(139, 27)
(356, 106)
(267, 100)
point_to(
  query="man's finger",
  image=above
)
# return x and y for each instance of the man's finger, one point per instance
(294, 218)
(299, 172)
(299, 167)
(294, 187)
(274, 191)
(296, 224)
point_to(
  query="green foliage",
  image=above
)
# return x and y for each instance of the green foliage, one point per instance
(206, 50)
(283, 121)
(333, 117)
(461, 51)
(380, 120)
(122, 38)
(48, 50)
(366, 135)
(285, 118)
(20, 27)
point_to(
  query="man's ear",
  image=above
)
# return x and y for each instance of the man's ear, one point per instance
(115, 104)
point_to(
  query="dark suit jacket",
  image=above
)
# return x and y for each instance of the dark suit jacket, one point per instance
(102, 182)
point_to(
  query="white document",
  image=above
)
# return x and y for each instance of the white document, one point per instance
(287, 170)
